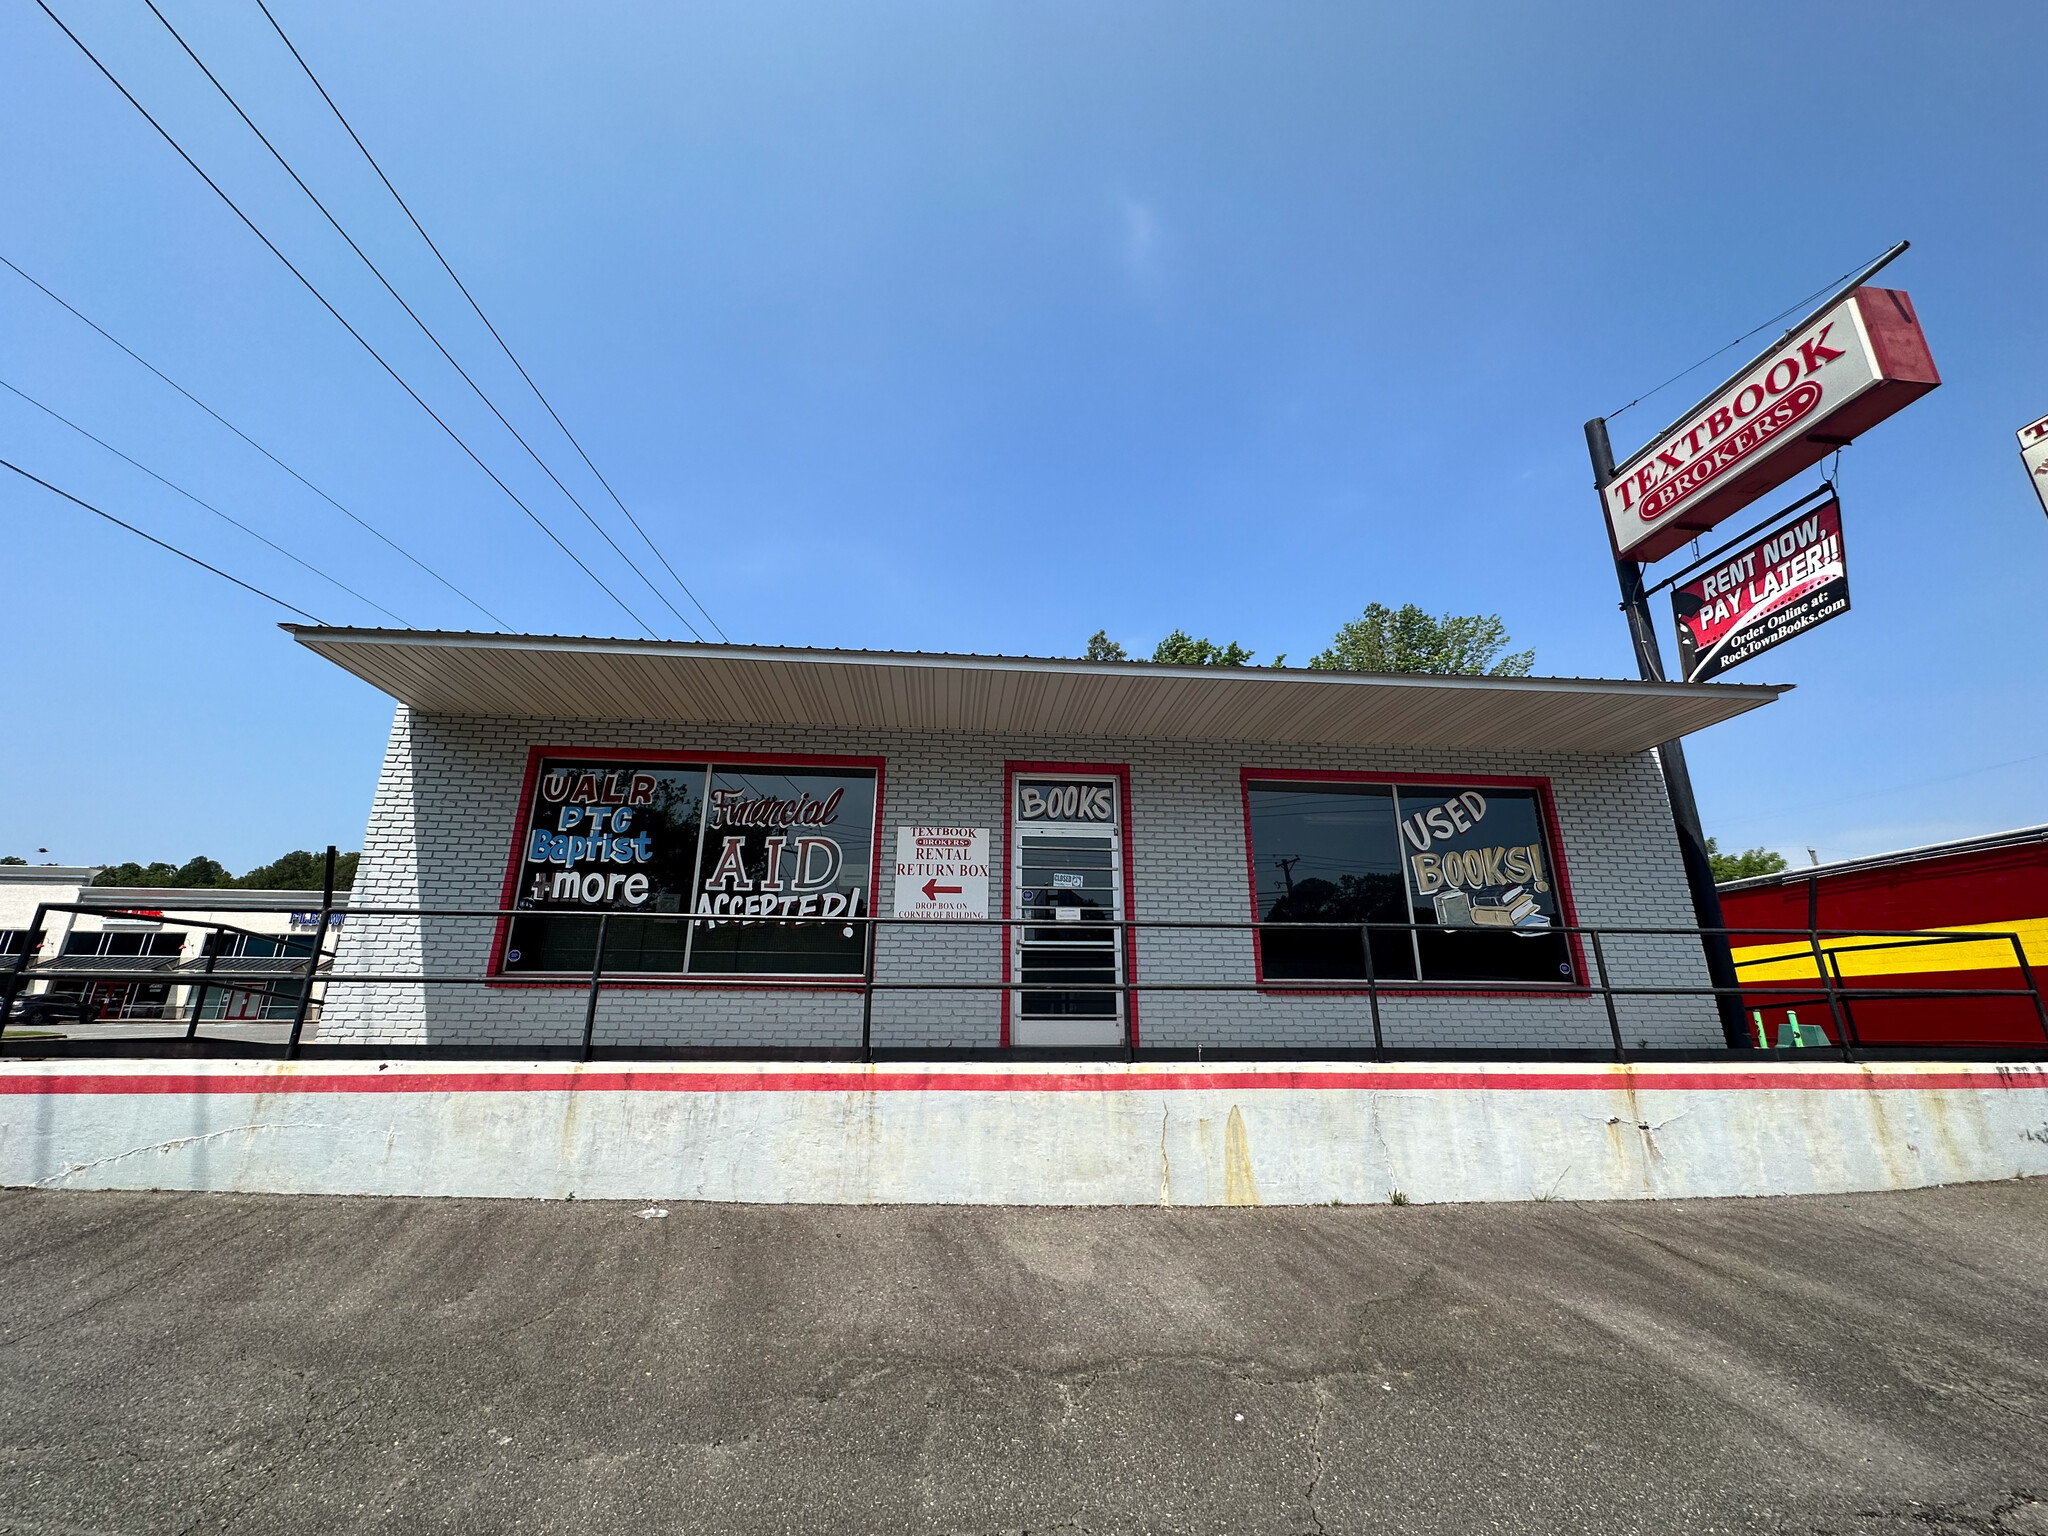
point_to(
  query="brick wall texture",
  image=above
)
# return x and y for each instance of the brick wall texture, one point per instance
(446, 813)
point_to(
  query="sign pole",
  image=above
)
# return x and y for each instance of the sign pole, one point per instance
(1685, 811)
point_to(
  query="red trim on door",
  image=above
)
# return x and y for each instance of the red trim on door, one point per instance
(534, 757)
(1553, 834)
(1121, 772)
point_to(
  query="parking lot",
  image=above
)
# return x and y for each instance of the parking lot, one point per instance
(1871, 1364)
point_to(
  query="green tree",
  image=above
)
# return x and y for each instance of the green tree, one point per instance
(1406, 639)
(296, 871)
(13, 858)
(301, 870)
(1102, 648)
(1180, 649)
(1741, 866)
(196, 873)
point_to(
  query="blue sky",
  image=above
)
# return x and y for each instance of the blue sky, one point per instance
(980, 327)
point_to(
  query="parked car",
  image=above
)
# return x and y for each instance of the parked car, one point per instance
(42, 1008)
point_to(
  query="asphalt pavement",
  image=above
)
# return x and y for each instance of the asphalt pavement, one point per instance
(1873, 1364)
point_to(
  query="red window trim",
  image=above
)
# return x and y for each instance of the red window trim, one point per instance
(534, 757)
(1121, 772)
(1553, 834)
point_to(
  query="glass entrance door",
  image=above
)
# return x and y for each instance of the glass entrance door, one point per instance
(1067, 868)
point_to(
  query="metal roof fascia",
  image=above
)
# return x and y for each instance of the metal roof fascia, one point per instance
(948, 661)
(198, 898)
(936, 678)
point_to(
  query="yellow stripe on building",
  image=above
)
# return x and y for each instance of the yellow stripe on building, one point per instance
(1793, 961)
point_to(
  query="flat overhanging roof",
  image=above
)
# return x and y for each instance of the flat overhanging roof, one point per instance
(442, 673)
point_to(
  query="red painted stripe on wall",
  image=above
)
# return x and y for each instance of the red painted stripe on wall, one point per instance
(994, 1082)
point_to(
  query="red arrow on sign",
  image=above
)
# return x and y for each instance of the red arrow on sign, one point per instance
(933, 890)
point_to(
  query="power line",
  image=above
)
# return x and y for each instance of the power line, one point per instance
(1738, 341)
(412, 314)
(1895, 789)
(307, 283)
(160, 544)
(209, 506)
(245, 437)
(460, 285)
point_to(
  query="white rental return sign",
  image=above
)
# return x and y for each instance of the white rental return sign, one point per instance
(942, 872)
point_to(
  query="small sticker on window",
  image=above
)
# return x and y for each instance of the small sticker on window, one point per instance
(1066, 881)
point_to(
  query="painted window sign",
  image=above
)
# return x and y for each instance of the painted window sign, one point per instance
(1041, 800)
(737, 845)
(1472, 863)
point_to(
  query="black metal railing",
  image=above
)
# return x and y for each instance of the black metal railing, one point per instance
(307, 980)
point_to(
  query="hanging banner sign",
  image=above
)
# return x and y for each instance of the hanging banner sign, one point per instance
(942, 872)
(1834, 378)
(2034, 454)
(1762, 596)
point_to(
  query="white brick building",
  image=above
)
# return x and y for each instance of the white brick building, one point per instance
(581, 780)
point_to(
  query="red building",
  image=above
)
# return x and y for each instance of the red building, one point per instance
(1996, 885)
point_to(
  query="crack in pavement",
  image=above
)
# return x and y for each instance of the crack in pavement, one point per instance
(2015, 1512)
(1315, 1453)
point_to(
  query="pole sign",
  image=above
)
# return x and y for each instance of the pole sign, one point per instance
(942, 872)
(1760, 597)
(1832, 379)
(2034, 454)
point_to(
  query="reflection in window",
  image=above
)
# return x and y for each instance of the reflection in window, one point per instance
(789, 844)
(122, 942)
(1328, 854)
(738, 846)
(1472, 864)
(258, 946)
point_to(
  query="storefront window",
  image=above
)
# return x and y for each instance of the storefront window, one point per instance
(279, 998)
(1471, 862)
(114, 941)
(739, 845)
(124, 999)
(1328, 853)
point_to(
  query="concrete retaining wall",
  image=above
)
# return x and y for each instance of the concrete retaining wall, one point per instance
(1018, 1134)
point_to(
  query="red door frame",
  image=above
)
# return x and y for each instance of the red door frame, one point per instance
(1121, 772)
